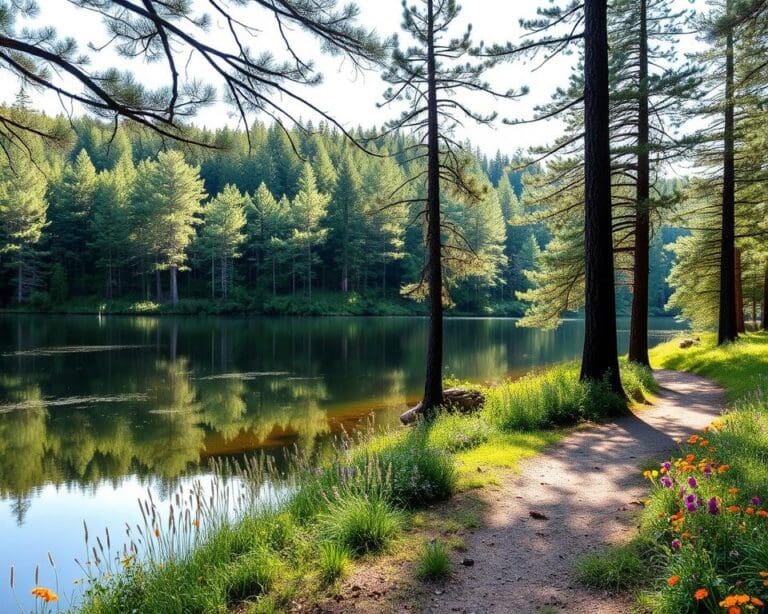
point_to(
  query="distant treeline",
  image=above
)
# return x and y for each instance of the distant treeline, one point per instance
(264, 221)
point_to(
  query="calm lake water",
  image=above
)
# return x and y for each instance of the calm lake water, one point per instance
(96, 412)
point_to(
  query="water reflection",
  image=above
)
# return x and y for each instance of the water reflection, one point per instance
(95, 412)
(84, 401)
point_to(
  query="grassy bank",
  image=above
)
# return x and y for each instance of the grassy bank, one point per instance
(293, 537)
(703, 540)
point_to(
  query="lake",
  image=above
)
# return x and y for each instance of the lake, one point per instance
(96, 412)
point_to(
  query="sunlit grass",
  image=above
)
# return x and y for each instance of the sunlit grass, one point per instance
(703, 541)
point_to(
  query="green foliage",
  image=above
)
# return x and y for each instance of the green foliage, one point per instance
(333, 562)
(434, 562)
(360, 524)
(618, 568)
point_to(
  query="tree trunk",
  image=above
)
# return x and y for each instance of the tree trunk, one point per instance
(213, 277)
(20, 281)
(728, 327)
(309, 270)
(223, 277)
(274, 277)
(600, 358)
(174, 285)
(433, 385)
(739, 294)
(765, 299)
(158, 286)
(345, 251)
(638, 333)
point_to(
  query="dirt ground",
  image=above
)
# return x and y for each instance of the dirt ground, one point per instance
(584, 492)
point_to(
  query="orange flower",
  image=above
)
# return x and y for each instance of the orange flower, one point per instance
(733, 508)
(685, 535)
(672, 580)
(734, 609)
(723, 469)
(731, 491)
(690, 458)
(756, 602)
(704, 443)
(700, 594)
(749, 511)
(46, 594)
(693, 439)
(764, 574)
(762, 513)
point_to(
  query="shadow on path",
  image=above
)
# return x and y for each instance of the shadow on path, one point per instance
(589, 488)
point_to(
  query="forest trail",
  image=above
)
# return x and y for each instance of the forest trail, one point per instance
(589, 487)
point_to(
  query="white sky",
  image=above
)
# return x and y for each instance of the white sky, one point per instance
(350, 97)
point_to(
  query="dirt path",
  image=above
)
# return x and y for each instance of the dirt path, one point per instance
(588, 486)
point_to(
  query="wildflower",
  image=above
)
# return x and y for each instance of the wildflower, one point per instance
(749, 511)
(734, 509)
(675, 546)
(685, 535)
(758, 603)
(700, 594)
(692, 482)
(691, 502)
(713, 506)
(673, 580)
(46, 594)
(693, 439)
(756, 501)
(734, 600)
(704, 443)
(650, 474)
(690, 458)
(666, 465)
(707, 471)
(723, 468)
(731, 491)
(666, 482)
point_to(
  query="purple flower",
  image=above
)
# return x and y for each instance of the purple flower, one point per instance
(691, 503)
(714, 508)
(756, 501)
(707, 471)
(666, 482)
(675, 544)
(692, 482)
(667, 465)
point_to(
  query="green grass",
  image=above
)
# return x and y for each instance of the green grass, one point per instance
(434, 562)
(717, 543)
(355, 502)
(361, 524)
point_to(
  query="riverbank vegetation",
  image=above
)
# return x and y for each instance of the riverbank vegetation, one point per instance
(260, 538)
(704, 533)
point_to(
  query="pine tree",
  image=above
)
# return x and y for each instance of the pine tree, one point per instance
(222, 233)
(167, 201)
(22, 214)
(111, 224)
(71, 212)
(346, 221)
(308, 209)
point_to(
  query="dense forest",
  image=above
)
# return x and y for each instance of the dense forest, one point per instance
(259, 223)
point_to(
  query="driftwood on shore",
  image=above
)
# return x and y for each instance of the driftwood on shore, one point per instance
(456, 399)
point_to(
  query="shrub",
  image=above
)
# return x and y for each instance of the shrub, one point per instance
(360, 524)
(434, 562)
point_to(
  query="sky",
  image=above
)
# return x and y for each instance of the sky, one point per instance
(346, 94)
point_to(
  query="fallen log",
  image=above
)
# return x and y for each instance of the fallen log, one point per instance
(454, 399)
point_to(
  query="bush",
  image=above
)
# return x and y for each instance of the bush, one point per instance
(434, 562)
(360, 524)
